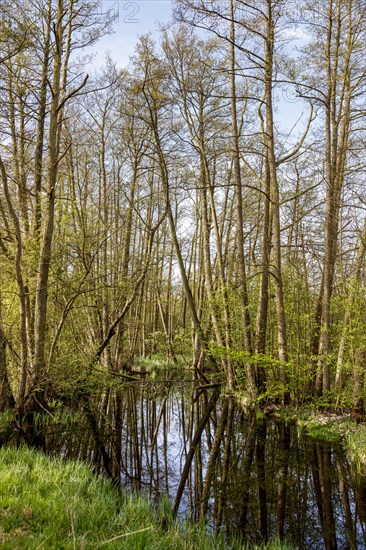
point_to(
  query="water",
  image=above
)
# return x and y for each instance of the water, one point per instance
(254, 478)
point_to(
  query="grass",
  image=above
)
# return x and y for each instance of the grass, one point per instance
(5, 418)
(320, 427)
(333, 428)
(356, 445)
(49, 503)
(158, 363)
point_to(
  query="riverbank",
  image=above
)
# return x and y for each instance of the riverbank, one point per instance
(321, 425)
(336, 427)
(39, 498)
(51, 503)
(331, 427)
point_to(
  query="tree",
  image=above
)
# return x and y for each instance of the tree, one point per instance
(339, 26)
(36, 176)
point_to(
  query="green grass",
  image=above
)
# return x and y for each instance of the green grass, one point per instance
(356, 446)
(5, 418)
(53, 504)
(321, 431)
(335, 428)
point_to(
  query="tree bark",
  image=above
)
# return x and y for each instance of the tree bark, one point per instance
(275, 197)
(358, 403)
(248, 338)
(6, 396)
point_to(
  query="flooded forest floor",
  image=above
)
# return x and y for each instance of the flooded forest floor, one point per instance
(164, 461)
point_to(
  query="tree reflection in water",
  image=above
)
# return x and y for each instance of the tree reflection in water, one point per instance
(257, 478)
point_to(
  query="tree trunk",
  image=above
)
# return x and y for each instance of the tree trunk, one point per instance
(41, 119)
(337, 106)
(358, 404)
(275, 198)
(263, 303)
(35, 391)
(6, 396)
(248, 339)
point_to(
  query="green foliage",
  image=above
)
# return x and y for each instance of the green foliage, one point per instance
(5, 418)
(182, 342)
(158, 361)
(275, 387)
(356, 445)
(326, 426)
(323, 432)
(241, 356)
(259, 415)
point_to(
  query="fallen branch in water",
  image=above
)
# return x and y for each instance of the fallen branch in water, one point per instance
(206, 386)
(119, 374)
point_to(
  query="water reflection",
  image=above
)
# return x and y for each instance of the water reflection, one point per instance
(251, 477)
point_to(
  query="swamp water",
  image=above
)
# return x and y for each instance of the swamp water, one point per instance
(254, 478)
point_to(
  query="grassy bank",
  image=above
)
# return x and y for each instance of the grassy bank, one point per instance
(338, 428)
(53, 504)
(333, 428)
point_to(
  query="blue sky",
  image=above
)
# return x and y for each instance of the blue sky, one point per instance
(137, 17)
(134, 18)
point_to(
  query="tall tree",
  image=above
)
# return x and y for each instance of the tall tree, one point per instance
(48, 64)
(339, 26)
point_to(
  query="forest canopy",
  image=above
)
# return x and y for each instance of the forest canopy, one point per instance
(205, 203)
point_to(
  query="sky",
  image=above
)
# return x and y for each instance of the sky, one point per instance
(134, 18)
(137, 17)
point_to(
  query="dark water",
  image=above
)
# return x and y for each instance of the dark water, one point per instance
(255, 478)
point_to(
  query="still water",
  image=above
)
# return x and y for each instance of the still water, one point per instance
(251, 477)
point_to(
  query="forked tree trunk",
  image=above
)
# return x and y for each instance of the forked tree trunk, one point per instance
(35, 390)
(337, 113)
